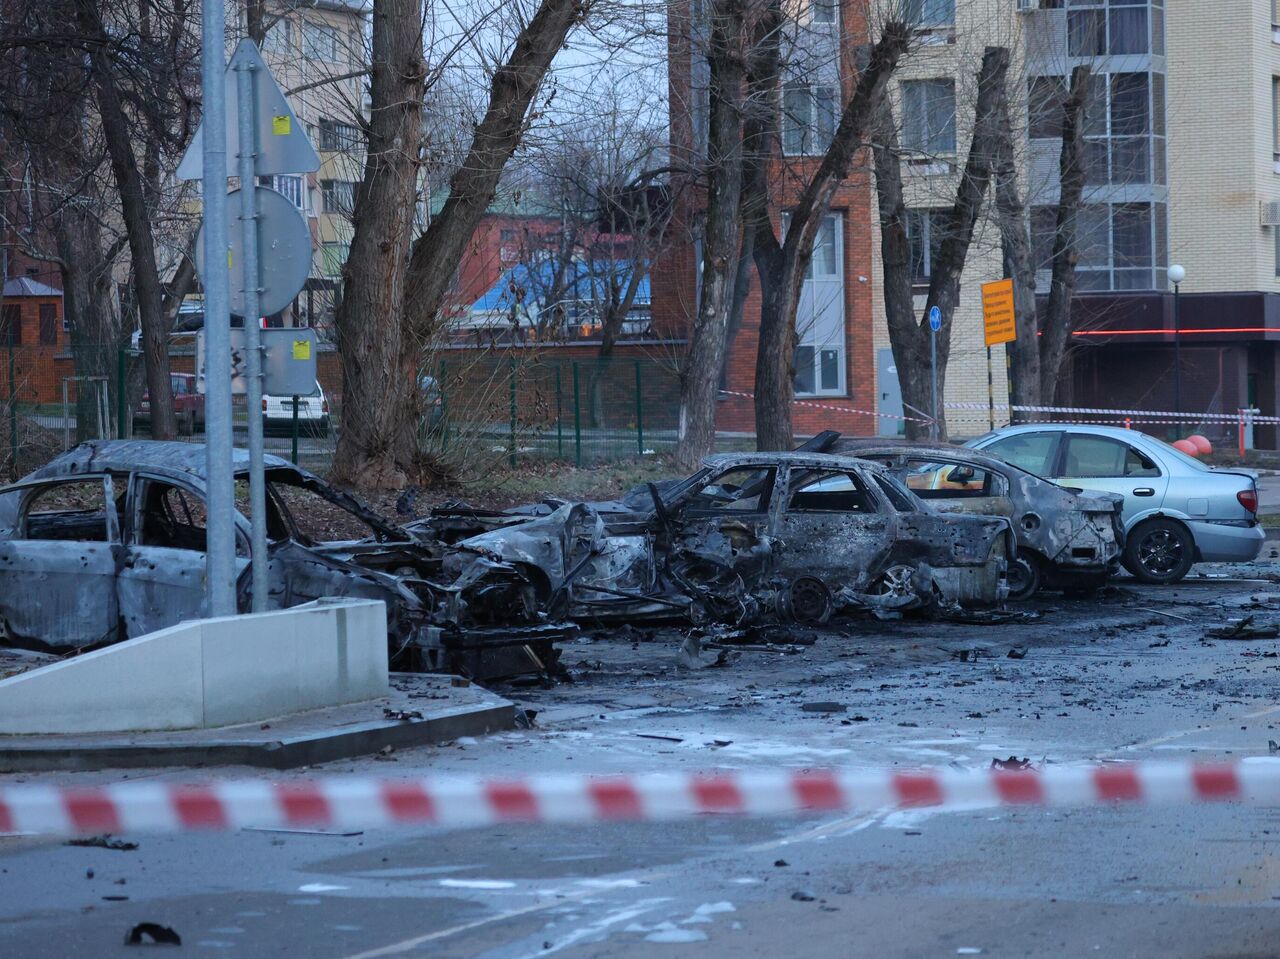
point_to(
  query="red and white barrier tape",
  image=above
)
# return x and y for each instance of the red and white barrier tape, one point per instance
(1180, 419)
(831, 407)
(365, 803)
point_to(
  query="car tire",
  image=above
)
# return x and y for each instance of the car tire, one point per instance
(1025, 576)
(1159, 551)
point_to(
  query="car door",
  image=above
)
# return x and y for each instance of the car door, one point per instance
(831, 526)
(162, 581)
(1114, 466)
(719, 529)
(58, 563)
(1036, 452)
(954, 486)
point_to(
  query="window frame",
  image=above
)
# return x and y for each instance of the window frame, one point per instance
(797, 475)
(1130, 449)
(919, 136)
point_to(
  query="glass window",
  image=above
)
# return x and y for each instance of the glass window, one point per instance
(925, 232)
(172, 518)
(808, 118)
(823, 261)
(1044, 229)
(339, 196)
(804, 373)
(1130, 104)
(1131, 229)
(930, 13)
(75, 511)
(898, 497)
(933, 480)
(1033, 452)
(1128, 31)
(48, 324)
(335, 136)
(929, 116)
(334, 257)
(1093, 236)
(829, 491)
(829, 370)
(1094, 457)
(822, 11)
(320, 42)
(1045, 96)
(1086, 33)
(746, 489)
(279, 38)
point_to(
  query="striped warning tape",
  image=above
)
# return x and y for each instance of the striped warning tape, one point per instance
(831, 407)
(1181, 419)
(365, 803)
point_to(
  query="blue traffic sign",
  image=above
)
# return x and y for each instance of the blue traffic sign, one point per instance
(935, 319)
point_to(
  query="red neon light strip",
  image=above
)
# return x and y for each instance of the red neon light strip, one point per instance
(1169, 332)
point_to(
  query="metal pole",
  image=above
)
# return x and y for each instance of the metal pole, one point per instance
(220, 568)
(13, 413)
(933, 372)
(253, 333)
(559, 424)
(121, 405)
(293, 448)
(66, 417)
(639, 414)
(444, 411)
(577, 418)
(991, 394)
(1177, 350)
(513, 415)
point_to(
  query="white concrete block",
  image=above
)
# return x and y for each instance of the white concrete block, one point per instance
(211, 672)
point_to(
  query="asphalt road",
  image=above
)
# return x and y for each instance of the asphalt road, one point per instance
(1188, 882)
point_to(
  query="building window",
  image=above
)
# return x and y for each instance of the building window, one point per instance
(925, 230)
(334, 256)
(291, 187)
(1044, 230)
(1045, 98)
(335, 136)
(822, 11)
(338, 196)
(48, 324)
(1128, 31)
(808, 118)
(929, 117)
(1087, 33)
(1275, 121)
(279, 38)
(11, 325)
(820, 336)
(1122, 246)
(320, 42)
(929, 14)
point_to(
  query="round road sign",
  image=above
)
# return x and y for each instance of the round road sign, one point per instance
(935, 319)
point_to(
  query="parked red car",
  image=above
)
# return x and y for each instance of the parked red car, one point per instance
(188, 406)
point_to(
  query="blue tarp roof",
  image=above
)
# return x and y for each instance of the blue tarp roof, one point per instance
(525, 284)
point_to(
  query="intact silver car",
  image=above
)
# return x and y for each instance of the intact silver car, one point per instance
(1177, 510)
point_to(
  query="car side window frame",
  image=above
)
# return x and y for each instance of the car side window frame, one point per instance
(1124, 469)
(770, 497)
(1054, 461)
(32, 489)
(136, 503)
(860, 486)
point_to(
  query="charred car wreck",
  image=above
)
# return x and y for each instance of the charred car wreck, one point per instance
(112, 535)
(1067, 539)
(796, 536)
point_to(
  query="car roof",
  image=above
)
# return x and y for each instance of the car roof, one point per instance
(795, 458)
(152, 456)
(864, 447)
(1117, 432)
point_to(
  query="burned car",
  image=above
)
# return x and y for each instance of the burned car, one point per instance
(797, 536)
(107, 542)
(1066, 540)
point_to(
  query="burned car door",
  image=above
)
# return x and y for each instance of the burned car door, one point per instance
(58, 562)
(954, 486)
(831, 527)
(162, 580)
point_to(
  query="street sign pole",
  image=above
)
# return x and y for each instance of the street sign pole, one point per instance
(220, 558)
(248, 145)
(935, 324)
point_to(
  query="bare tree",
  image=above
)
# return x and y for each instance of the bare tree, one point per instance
(909, 334)
(782, 262)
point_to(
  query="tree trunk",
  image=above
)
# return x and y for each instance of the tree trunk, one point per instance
(437, 252)
(722, 235)
(782, 265)
(117, 135)
(379, 372)
(95, 329)
(1020, 266)
(1062, 289)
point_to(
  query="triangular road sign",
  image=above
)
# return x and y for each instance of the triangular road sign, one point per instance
(283, 145)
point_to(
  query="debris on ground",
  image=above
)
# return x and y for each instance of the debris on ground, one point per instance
(401, 714)
(1245, 628)
(1013, 762)
(385, 754)
(154, 933)
(967, 655)
(525, 718)
(823, 707)
(665, 739)
(103, 842)
(803, 896)
(1159, 644)
(1018, 652)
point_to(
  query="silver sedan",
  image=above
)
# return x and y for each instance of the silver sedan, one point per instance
(1177, 510)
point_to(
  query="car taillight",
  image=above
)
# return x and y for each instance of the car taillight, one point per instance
(1248, 499)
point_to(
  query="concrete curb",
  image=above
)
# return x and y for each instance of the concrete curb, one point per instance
(326, 736)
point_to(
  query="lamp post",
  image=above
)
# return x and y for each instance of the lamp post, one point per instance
(1176, 275)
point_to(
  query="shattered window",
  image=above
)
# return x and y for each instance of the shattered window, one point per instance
(173, 518)
(1098, 456)
(744, 490)
(898, 497)
(75, 511)
(1033, 452)
(949, 480)
(316, 519)
(828, 491)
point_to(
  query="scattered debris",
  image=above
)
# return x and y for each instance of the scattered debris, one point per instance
(665, 739)
(156, 935)
(1018, 652)
(525, 718)
(1013, 762)
(459, 682)
(385, 754)
(1159, 645)
(303, 832)
(1163, 612)
(1244, 628)
(401, 714)
(966, 655)
(803, 896)
(781, 863)
(103, 842)
(1273, 746)
(824, 707)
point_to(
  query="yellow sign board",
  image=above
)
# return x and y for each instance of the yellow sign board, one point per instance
(281, 126)
(998, 313)
(302, 349)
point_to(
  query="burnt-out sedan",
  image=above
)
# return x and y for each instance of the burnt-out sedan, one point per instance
(107, 542)
(1067, 539)
(792, 535)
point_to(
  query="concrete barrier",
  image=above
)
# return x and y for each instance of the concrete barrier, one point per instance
(209, 672)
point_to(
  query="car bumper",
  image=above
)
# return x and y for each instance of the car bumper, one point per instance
(1216, 543)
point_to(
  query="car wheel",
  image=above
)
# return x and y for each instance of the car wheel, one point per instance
(896, 581)
(1024, 576)
(1159, 551)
